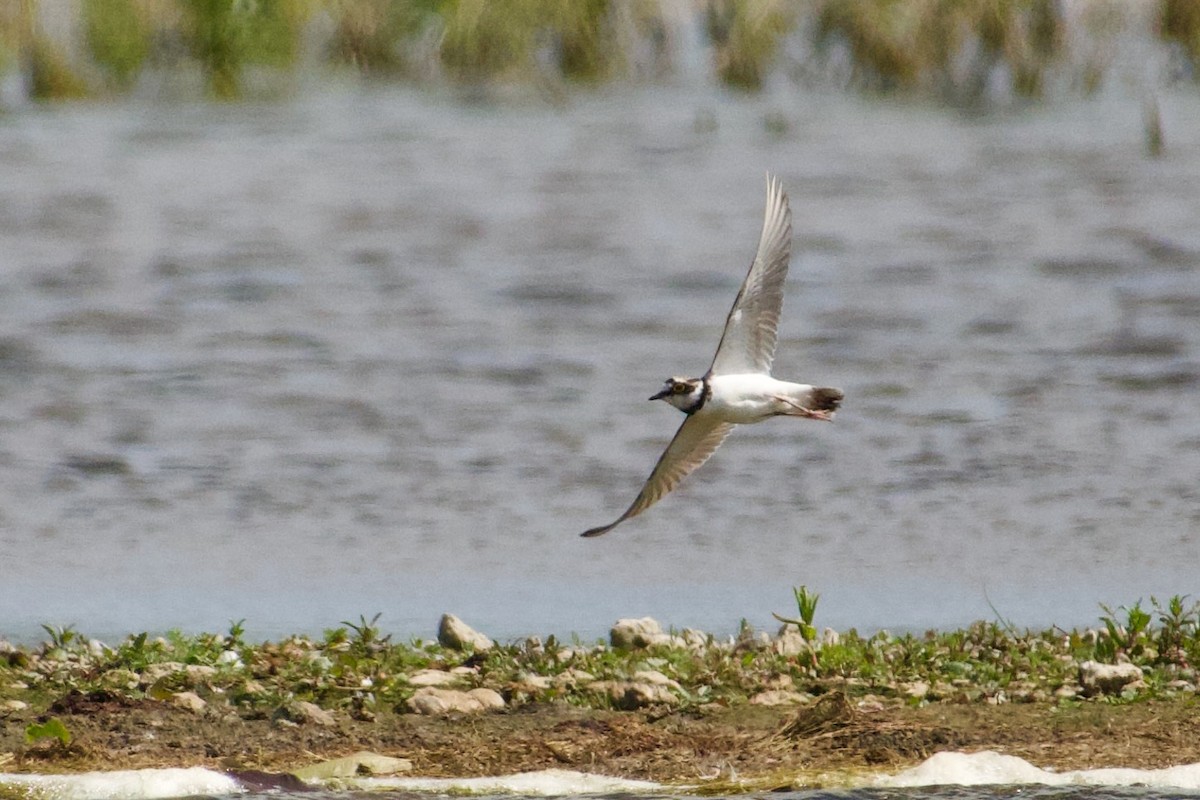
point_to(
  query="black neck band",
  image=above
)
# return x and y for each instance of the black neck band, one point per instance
(705, 393)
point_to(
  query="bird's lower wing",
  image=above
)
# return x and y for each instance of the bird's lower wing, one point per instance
(697, 439)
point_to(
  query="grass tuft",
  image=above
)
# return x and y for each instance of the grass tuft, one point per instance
(361, 670)
(967, 53)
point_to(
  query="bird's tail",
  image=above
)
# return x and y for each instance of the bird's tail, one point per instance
(826, 398)
(816, 402)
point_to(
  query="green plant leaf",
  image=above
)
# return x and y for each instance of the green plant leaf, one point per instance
(52, 728)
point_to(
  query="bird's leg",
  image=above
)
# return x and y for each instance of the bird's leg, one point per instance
(801, 411)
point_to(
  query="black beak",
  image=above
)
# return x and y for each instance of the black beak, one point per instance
(666, 391)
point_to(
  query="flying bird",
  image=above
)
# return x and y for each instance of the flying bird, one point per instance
(738, 388)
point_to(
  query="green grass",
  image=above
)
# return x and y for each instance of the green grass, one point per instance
(948, 49)
(118, 38)
(357, 667)
(226, 37)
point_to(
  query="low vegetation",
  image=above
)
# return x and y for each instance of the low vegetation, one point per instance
(777, 710)
(357, 669)
(960, 51)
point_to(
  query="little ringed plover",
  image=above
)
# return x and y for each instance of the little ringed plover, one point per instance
(738, 388)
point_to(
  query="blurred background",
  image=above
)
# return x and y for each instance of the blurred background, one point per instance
(312, 309)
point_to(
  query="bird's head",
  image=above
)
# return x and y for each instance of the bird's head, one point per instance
(686, 394)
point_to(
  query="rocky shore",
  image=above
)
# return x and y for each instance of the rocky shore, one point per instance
(793, 706)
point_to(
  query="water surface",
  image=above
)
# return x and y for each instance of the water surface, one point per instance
(379, 351)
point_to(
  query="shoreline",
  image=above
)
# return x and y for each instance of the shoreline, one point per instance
(750, 712)
(729, 751)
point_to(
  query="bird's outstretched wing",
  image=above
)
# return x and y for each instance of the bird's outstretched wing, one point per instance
(697, 439)
(748, 342)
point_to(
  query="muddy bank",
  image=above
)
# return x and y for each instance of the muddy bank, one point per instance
(749, 742)
(648, 703)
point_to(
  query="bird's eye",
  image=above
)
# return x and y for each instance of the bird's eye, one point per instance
(680, 388)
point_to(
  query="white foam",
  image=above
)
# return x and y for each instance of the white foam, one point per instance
(942, 769)
(544, 782)
(989, 768)
(139, 784)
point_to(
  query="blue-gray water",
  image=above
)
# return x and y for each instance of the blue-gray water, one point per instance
(379, 351)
